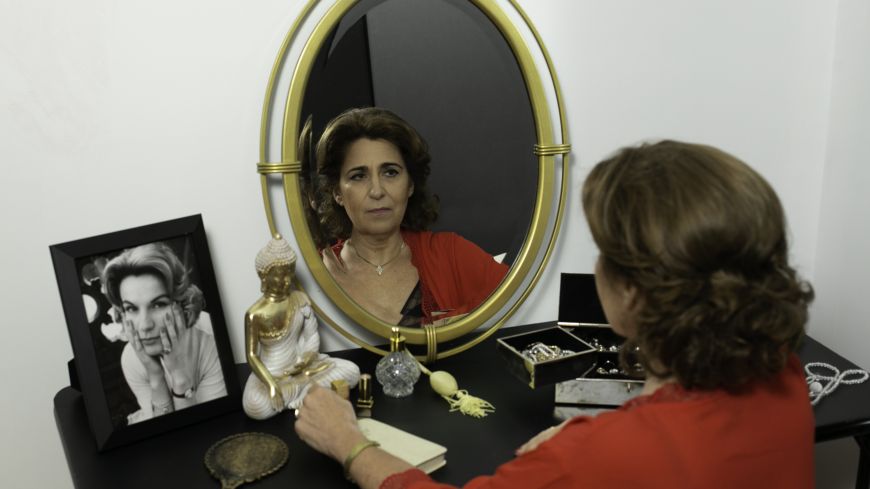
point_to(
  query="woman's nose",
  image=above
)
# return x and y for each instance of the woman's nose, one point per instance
(376, 190)
(146, 323)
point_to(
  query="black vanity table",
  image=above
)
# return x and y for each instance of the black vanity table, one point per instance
(474, 446)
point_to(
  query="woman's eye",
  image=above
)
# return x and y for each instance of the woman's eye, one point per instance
(129, 309)
(391, 172)
(357, 176)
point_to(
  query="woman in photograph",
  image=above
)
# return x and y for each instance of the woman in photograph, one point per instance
(693, 271)
(171, 360)
(372, 169)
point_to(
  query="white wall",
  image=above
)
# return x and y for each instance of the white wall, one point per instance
(842, 311)
(116, 114)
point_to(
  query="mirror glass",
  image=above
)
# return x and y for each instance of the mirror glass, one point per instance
(445, 68)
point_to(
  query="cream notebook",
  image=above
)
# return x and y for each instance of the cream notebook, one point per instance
(419, 452)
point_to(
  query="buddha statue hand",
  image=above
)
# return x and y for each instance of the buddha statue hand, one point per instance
(301, 364)
(275, 396)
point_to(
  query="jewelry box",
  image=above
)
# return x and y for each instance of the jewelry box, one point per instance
(546, 356)
(606, 384)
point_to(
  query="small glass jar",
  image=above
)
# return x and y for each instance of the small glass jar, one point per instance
(398, 371)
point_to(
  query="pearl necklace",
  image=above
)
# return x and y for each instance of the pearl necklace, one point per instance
(814, 380)
(380, 268)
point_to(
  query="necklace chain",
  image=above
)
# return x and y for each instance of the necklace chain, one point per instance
(380, 268)
(819, 390)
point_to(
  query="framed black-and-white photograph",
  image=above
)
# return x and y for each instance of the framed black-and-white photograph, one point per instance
(150, 344)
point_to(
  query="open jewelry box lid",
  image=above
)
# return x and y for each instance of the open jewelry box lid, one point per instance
(580, 312)
(577, 363)
(578, 301)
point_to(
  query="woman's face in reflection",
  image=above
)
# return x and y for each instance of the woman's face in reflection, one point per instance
(374, 186)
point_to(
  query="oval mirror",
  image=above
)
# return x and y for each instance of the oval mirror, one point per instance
(462, 75)
(446, 70)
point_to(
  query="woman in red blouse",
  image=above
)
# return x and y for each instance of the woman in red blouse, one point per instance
(693, 271)
(374, 211)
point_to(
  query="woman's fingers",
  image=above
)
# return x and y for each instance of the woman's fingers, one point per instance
(169, 322)
(132, 336)
(152, 366)
(538, 439)
(179, 323)
(180, 320)
(174, 328)
(326, 422)
(532, 443)
(164, 338)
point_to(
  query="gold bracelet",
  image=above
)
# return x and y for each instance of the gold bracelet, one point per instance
(354, 453)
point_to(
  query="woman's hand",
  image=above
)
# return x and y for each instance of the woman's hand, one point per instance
(151, 364)
(540, 438)
(179, 355)
(327, 423)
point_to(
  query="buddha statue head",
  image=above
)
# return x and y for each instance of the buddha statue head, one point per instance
(276, 265)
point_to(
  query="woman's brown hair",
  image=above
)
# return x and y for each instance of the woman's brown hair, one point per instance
(702, 237)
(372, 123)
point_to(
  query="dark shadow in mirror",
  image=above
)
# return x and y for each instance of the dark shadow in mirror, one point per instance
(340, 78)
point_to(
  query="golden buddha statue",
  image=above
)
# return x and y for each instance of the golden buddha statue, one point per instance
(281, 340)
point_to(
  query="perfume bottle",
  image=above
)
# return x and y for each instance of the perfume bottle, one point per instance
(397, 372)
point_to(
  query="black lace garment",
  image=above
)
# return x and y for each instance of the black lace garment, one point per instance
(412, 311)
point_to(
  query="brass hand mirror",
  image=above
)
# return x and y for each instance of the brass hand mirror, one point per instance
(245, 457)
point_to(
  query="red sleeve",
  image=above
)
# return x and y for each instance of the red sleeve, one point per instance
(408, 478)
(543, 468)
(760, 437)
(459, 274)
(479, 273)
(534, 470)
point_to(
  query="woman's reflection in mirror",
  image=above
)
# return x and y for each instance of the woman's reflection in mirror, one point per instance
(374, 205)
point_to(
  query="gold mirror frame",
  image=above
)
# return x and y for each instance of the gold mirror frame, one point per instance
(546, 149)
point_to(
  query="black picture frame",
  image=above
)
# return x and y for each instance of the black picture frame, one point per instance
(97, 361)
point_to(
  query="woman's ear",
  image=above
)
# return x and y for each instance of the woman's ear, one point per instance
(631, 298)
(338, 199)
(411, 189)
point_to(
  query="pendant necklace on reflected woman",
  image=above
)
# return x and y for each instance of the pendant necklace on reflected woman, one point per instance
(380, 268)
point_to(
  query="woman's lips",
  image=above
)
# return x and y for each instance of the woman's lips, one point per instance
(380, 211)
